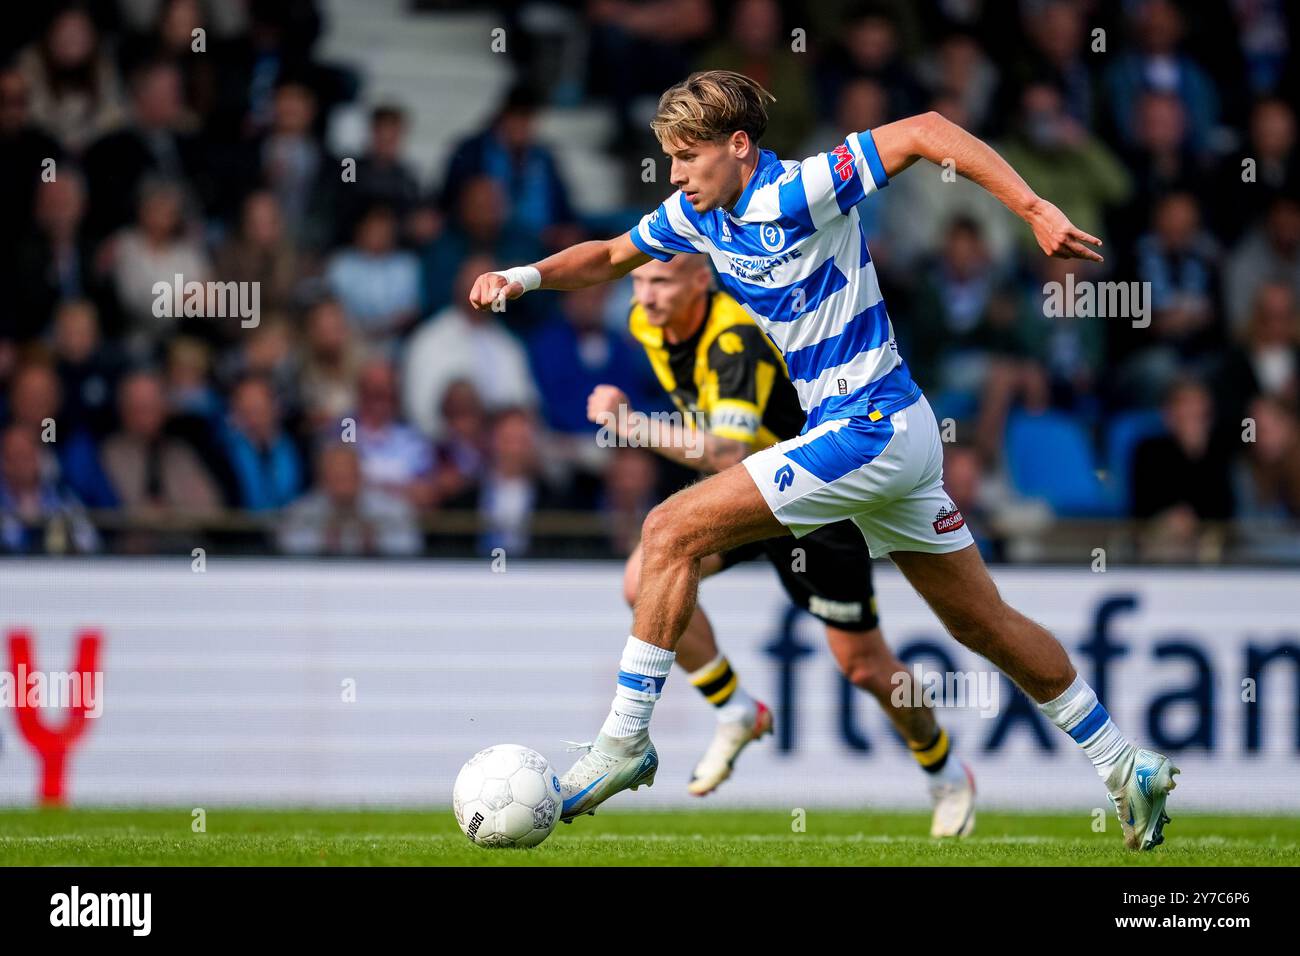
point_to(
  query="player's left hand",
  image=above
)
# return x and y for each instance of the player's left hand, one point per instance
(1057, 236)
(603, 402)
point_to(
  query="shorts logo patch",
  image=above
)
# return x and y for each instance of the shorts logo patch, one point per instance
(843, 611)
(948, 519)
(784, 477)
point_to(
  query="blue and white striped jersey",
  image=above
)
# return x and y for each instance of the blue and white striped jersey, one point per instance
(793, 252)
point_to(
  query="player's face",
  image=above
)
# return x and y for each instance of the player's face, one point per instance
(670, 291)
(710, 174)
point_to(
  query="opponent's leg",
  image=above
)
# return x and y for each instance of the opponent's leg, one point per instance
(959, 589)
(720, 512)
(870, 664)
(741, 718)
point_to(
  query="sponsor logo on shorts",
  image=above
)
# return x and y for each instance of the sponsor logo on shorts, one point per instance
(844, 611)
(948, 519)
(783, 478)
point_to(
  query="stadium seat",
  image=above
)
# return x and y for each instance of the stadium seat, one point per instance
(1049, 458)
(1124, 433)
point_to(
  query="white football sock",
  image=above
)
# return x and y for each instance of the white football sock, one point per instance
(1080, 714)
(952, 770)
(641, 676)
(741, 708)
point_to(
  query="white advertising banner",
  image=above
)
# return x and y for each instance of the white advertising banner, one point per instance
(280, 682)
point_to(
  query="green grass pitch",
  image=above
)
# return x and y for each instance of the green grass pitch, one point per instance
(254, 837)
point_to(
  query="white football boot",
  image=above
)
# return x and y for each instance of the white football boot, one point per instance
(731, 737)
(953, 796)
(1139, 786)
(611, 764)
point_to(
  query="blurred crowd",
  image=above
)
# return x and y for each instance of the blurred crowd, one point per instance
(367, 401)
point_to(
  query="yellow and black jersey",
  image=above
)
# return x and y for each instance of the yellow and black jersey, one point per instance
(728, 371)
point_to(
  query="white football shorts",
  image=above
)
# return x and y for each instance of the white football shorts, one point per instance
(885, 476)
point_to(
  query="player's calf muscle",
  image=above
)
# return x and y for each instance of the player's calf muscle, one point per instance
(709, 565)
(1024, 650)
(959, 589)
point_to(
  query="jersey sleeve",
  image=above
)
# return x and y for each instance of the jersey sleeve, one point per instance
(743, 367)
(836, 181)
(667, 231)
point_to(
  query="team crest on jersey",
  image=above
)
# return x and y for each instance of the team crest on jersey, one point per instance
(731, 343)
(772, 236)
(948, 519)
(726, 230)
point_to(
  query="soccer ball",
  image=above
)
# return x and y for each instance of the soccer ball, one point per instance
(507, 795)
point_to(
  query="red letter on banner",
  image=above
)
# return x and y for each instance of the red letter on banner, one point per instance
(53, 745)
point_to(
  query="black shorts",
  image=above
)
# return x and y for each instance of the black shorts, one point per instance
(831, 579)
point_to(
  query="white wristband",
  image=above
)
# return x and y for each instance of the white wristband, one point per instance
(526, 276)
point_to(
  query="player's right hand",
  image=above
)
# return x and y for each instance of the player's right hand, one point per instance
(491, 286)
(603, 403)
(1057, 236)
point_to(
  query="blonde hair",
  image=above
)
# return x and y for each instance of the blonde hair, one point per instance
(711, 105)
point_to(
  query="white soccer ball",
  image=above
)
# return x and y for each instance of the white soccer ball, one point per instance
(507, 795)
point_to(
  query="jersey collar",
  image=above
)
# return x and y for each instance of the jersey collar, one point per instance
(766, 159)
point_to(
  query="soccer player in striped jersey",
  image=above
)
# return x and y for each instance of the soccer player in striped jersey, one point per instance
(787, 242)
(728, 379)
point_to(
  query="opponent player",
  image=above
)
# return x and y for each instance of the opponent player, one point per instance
(787, 242)
(725, 376)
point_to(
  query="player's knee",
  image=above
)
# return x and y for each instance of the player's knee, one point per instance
(663, 534)
(863, 673)
(871, 669)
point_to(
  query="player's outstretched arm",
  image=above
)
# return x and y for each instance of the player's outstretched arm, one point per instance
(579, 266)
(931, 136)
(700, 450)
